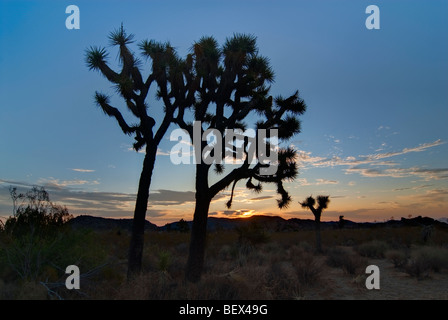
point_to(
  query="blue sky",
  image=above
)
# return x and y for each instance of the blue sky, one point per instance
(374, 136)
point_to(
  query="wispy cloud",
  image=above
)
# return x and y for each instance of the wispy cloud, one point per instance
(326, 181)
(170, 197)
(433, 198)
(419, 148)
(425, 174)
(305, 182)
(236, 213)
(261, 198)
(57, 184)
(106, 204)
(83, 170)
(413, 188)
(375, 165)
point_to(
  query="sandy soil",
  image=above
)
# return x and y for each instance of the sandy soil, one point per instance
(394, 285)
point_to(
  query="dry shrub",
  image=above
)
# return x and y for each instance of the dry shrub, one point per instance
(308, 269)
(253, 234)
(349, 262)
(31, 291)
(426, 259)
(398, 257)
(150, 285)
(372, 249)
(281, 280)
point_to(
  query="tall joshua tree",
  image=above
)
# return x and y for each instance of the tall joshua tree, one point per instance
(167, 74)
(322, 203)
(234, 81)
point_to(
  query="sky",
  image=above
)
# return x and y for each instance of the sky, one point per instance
(374, 136)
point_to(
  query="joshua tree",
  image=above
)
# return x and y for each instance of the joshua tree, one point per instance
(219, 87)
(322, 203)
(233, 81)
(167, 72)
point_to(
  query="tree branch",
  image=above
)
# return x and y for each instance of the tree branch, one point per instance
(114, 112)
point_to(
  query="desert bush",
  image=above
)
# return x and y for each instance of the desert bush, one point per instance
(398, 257)
(34, 213)
(252, 234)
(417, 267)
(425, 259)
(307, 268)
(164, 260)
(281, 279)
(41, 261)
(372, 249)
(336, 256)
(351, 263)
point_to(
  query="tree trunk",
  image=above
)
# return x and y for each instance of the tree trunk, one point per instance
(318, 237)
(196, 255)
(138, 225)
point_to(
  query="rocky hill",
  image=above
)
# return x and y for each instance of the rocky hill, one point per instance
(269, 223)
(276, 223)
(100, 224)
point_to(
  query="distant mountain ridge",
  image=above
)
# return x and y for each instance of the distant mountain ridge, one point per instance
(270, 223)
(100, 223)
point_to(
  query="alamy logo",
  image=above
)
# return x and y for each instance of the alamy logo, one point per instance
(72, 21)
(234, 146)
(373, 20)
(72, 281)
(373, 280)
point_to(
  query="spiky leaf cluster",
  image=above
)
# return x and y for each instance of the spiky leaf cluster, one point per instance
(322, 203)
(231, 82)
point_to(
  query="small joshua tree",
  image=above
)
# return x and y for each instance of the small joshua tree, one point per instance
(322, 203)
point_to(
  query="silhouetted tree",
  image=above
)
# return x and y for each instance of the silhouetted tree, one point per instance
(34, 214)
(233, 81)
(182, 226)
(341, 222)
(173, 88)
(322, 203)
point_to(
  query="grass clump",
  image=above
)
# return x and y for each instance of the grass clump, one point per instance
(398, 257)
(427, 259)
(372, 249)
(308, 269)
(351, 263)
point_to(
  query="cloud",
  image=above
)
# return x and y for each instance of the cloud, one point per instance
(420, 148)
(325, 181)
(261, 198)
(434, 197)
(107, 204)
(375, 165)
(318, 182)
(414, 188)
(83, 170)
(156, 213)
(16, 183)
(306, 158)
(78, 202)
(57, 184)
(360, 211)
(239, 213)
(170, 197)
(160, 152)
(425, 174)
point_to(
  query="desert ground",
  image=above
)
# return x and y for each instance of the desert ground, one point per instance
(246, 264)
